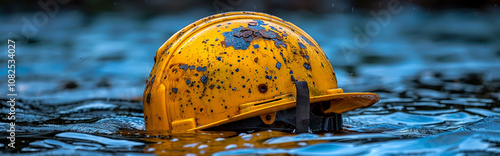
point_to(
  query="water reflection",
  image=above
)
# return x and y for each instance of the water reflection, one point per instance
(468, 141)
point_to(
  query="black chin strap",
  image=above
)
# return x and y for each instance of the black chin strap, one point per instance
(303, 107)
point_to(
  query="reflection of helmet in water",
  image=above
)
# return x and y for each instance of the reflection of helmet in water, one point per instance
(241, 71)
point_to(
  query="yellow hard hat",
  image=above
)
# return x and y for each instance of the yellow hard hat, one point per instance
(241, 71)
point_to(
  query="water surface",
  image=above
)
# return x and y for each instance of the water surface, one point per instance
(80, 91)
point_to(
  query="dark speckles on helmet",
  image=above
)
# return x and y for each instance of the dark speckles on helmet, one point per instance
(279, 43)
(307, 66)
(284, 59)
(188, 81)
(152, 80)
(183, 66)
(148, 98)
(278, 65)
(204, 78)
(175, 90)
(201, 69)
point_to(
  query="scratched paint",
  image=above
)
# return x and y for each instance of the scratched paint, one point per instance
(302, 46)
(236, 42)
(240, 37)
(201, 69)
(184, 66)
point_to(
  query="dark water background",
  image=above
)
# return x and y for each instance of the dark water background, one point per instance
(80, 80)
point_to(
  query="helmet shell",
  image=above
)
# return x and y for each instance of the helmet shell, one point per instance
(232, 66)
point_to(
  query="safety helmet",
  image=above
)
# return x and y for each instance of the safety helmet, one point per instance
(244, 71)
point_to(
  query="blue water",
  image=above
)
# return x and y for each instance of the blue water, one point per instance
(80, 84)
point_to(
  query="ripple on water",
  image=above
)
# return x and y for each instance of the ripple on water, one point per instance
(434, 112)
(488, 124)
(132, 123)
(98, 139)
(464, 101)
(412, 119)
(428, 104)
(97, 105)
(432, 94)
(105, 126)
(480, 111)
(310, 137)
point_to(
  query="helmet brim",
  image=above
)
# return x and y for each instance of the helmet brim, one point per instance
(340, 103)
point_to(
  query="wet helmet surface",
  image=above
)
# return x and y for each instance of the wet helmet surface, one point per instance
(239, 70)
